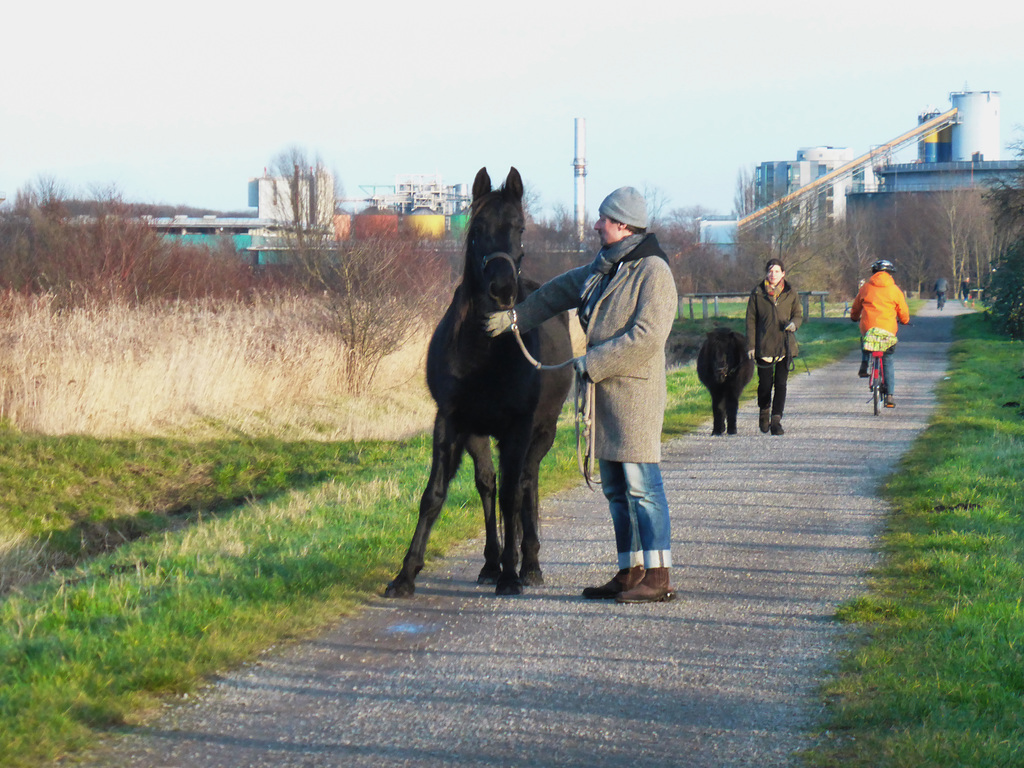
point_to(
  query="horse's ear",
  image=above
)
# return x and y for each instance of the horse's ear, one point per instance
(481, 184)
(514, 183)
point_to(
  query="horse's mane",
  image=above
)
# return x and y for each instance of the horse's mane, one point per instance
(479, 202)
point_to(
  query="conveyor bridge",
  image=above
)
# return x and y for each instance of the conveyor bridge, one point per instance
(832, 177)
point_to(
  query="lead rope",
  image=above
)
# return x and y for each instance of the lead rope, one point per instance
(585, 427)
(526, 353)
(584, 406)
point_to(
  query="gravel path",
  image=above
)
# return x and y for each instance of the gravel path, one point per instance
(770, 534)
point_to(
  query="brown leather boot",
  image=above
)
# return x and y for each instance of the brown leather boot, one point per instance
(654, 588)
(625, 579)
(776, 425)
(764, 419)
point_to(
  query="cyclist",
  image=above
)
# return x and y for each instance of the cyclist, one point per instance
(881, 304)
(940, 292)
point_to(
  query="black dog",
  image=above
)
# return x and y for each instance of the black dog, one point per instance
(724, 368)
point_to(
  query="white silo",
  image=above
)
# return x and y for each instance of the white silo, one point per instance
(976, 135)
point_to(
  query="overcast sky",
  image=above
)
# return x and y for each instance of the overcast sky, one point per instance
(184, 102)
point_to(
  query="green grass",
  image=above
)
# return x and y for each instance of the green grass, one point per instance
(210, 586)
(937, 676)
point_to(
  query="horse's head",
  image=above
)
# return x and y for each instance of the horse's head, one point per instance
(723, 356)
(494, 241)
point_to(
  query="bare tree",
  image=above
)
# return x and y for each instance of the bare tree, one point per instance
(302, 194)
(743, 201)
(378, 292)
(656, 202)
(952, 204)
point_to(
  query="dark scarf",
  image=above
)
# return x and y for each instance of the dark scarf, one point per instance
(601, 271)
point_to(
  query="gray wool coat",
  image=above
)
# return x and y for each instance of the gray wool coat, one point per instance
(625, 350)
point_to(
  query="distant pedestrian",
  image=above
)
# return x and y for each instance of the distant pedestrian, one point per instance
(940, 292)
(773, 315)
(965, 289)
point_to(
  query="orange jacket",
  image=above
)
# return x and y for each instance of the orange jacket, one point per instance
(880, 304)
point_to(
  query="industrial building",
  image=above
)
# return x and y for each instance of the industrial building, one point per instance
(959, 148)
(775, 180)
(419, 205)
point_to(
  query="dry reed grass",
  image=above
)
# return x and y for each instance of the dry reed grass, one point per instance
(267, 367)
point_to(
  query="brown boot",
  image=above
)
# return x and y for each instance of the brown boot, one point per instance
(654, 588)
(625, 579)
(764, 419)
(776, 425)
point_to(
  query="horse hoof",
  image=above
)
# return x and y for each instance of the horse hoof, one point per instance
(532, 578)
(400, 589)
(511, 587)
(488, 575)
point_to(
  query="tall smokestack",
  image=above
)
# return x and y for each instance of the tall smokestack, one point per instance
(579, 165)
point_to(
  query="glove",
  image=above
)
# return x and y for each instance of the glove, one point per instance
(579, 364)
(497, 323)
(750, 354)
(791, 327)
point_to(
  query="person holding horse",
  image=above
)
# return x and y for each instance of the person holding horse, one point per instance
(773, 315)
(626, 302)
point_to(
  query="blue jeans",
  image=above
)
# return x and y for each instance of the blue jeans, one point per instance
(639, 509)
(888, 370)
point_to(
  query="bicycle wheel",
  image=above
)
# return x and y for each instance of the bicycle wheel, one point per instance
(876, 382)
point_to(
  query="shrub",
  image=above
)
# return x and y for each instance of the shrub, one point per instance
(109, 257)
(1006, 292)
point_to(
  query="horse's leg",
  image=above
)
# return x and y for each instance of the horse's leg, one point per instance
(732, 404)
(447, 451)
(511, 454)
(543, 438)
(718, 407)
(479, 448)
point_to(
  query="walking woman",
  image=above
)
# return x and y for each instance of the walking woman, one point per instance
(773, 315)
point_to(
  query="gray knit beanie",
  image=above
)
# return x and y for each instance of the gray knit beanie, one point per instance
(627, 206)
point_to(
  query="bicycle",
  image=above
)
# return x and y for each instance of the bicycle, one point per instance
(876, 378)
(877, 341)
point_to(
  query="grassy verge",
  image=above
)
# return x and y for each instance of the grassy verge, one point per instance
(939, 677)
(91, 646)
(95, 645)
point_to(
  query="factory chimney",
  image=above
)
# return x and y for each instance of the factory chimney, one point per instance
(579, 165)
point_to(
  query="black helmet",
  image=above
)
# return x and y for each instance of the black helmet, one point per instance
(882, 265)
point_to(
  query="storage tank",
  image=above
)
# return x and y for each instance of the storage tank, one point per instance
(375, 225)
(936, 147)
(342, 226)
(424, 222)
(927, 147)
(459, 223)
(976, 134)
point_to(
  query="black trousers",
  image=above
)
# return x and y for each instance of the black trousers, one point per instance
(772, 376)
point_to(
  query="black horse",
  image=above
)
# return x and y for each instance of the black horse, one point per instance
(724, 368)
(484, 387)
